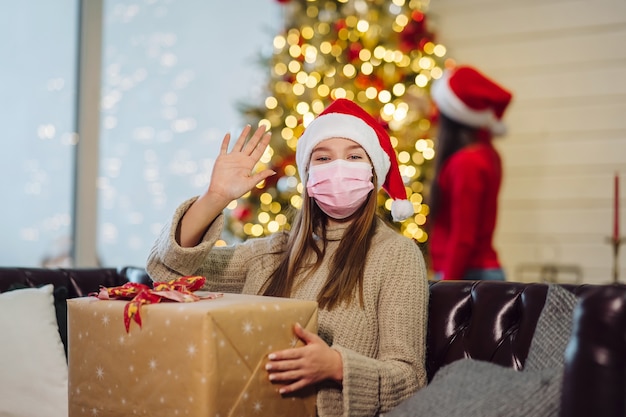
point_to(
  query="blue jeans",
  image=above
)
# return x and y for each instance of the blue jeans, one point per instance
(479, 274)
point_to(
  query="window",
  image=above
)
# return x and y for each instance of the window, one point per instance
(37, 105)
(172, 73)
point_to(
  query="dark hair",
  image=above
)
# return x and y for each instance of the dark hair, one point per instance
(452, 136)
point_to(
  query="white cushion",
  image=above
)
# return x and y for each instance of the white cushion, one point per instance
(33, 368)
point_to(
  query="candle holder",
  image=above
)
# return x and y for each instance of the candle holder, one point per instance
(615, 242)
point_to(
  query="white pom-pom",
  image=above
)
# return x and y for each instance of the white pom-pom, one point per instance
(498, 128)
(401, 210)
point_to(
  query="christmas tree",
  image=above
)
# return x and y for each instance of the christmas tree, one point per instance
(379, 53)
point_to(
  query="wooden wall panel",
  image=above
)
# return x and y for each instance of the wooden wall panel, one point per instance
(505, 20)
(566, 64)
(575, 52)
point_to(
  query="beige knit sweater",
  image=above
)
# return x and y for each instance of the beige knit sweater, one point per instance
(382, 345)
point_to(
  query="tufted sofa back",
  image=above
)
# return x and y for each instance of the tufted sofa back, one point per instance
(78, 281)
(485, 320)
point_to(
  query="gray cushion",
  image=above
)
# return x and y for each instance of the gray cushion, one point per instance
(553, 330)
(471, 388)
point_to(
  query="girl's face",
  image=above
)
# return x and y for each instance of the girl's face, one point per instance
(332, 149)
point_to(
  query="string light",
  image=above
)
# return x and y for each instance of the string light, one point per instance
(379, 53)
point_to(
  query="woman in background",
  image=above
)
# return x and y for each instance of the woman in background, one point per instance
(369, 281)
(468, 173)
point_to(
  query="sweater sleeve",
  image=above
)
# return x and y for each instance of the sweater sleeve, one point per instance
(376, 385)
(168, 260)
(467, 188)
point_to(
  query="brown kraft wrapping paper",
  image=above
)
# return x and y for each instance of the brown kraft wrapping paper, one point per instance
(198, 359)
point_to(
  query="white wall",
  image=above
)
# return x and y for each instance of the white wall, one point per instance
(566, 64)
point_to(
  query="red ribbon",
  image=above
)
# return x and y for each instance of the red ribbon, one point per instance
(180, 290)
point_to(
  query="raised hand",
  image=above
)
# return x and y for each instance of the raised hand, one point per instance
(232, 177)
(232, 173)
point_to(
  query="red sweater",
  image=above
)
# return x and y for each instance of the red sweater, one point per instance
(461, 235)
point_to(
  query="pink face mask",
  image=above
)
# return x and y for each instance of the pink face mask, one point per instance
(340, 187)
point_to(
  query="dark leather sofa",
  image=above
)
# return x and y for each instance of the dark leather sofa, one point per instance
(495, 322)
(486, 320)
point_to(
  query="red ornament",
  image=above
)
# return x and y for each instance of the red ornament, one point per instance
(423, 42)
(284, 161)
(433, 115)
(283, 1)
(377, 82)
(353, 51)
(340, 24)
(417, 16)
(289, 77)
(362, 81)
(242, 213)
(414, 32)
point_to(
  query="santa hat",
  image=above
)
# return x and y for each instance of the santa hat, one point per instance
(469, 97)
(345, 119)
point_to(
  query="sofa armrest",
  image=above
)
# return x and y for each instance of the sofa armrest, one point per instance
(594, 379)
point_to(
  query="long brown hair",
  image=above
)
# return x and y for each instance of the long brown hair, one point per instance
(452, 137)
(347, 265)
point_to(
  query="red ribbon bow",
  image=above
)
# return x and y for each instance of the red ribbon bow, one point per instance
(180, 290)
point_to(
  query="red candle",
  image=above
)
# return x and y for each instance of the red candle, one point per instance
(616, 209)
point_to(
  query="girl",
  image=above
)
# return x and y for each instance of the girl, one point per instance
(369, 281)
(468, 173)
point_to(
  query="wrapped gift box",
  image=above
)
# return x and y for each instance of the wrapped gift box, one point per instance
(205, 358)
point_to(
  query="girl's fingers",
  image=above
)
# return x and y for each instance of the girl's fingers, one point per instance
(259, 149)
(260, 176)
(259, 136)
(253, 147)
(287, 376)
(293, 387)
(287, 354)
(241, 141)
(225, 142)
(304, 334)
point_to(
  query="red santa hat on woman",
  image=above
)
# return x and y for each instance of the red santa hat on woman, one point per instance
(345, 119)
(469, 97)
